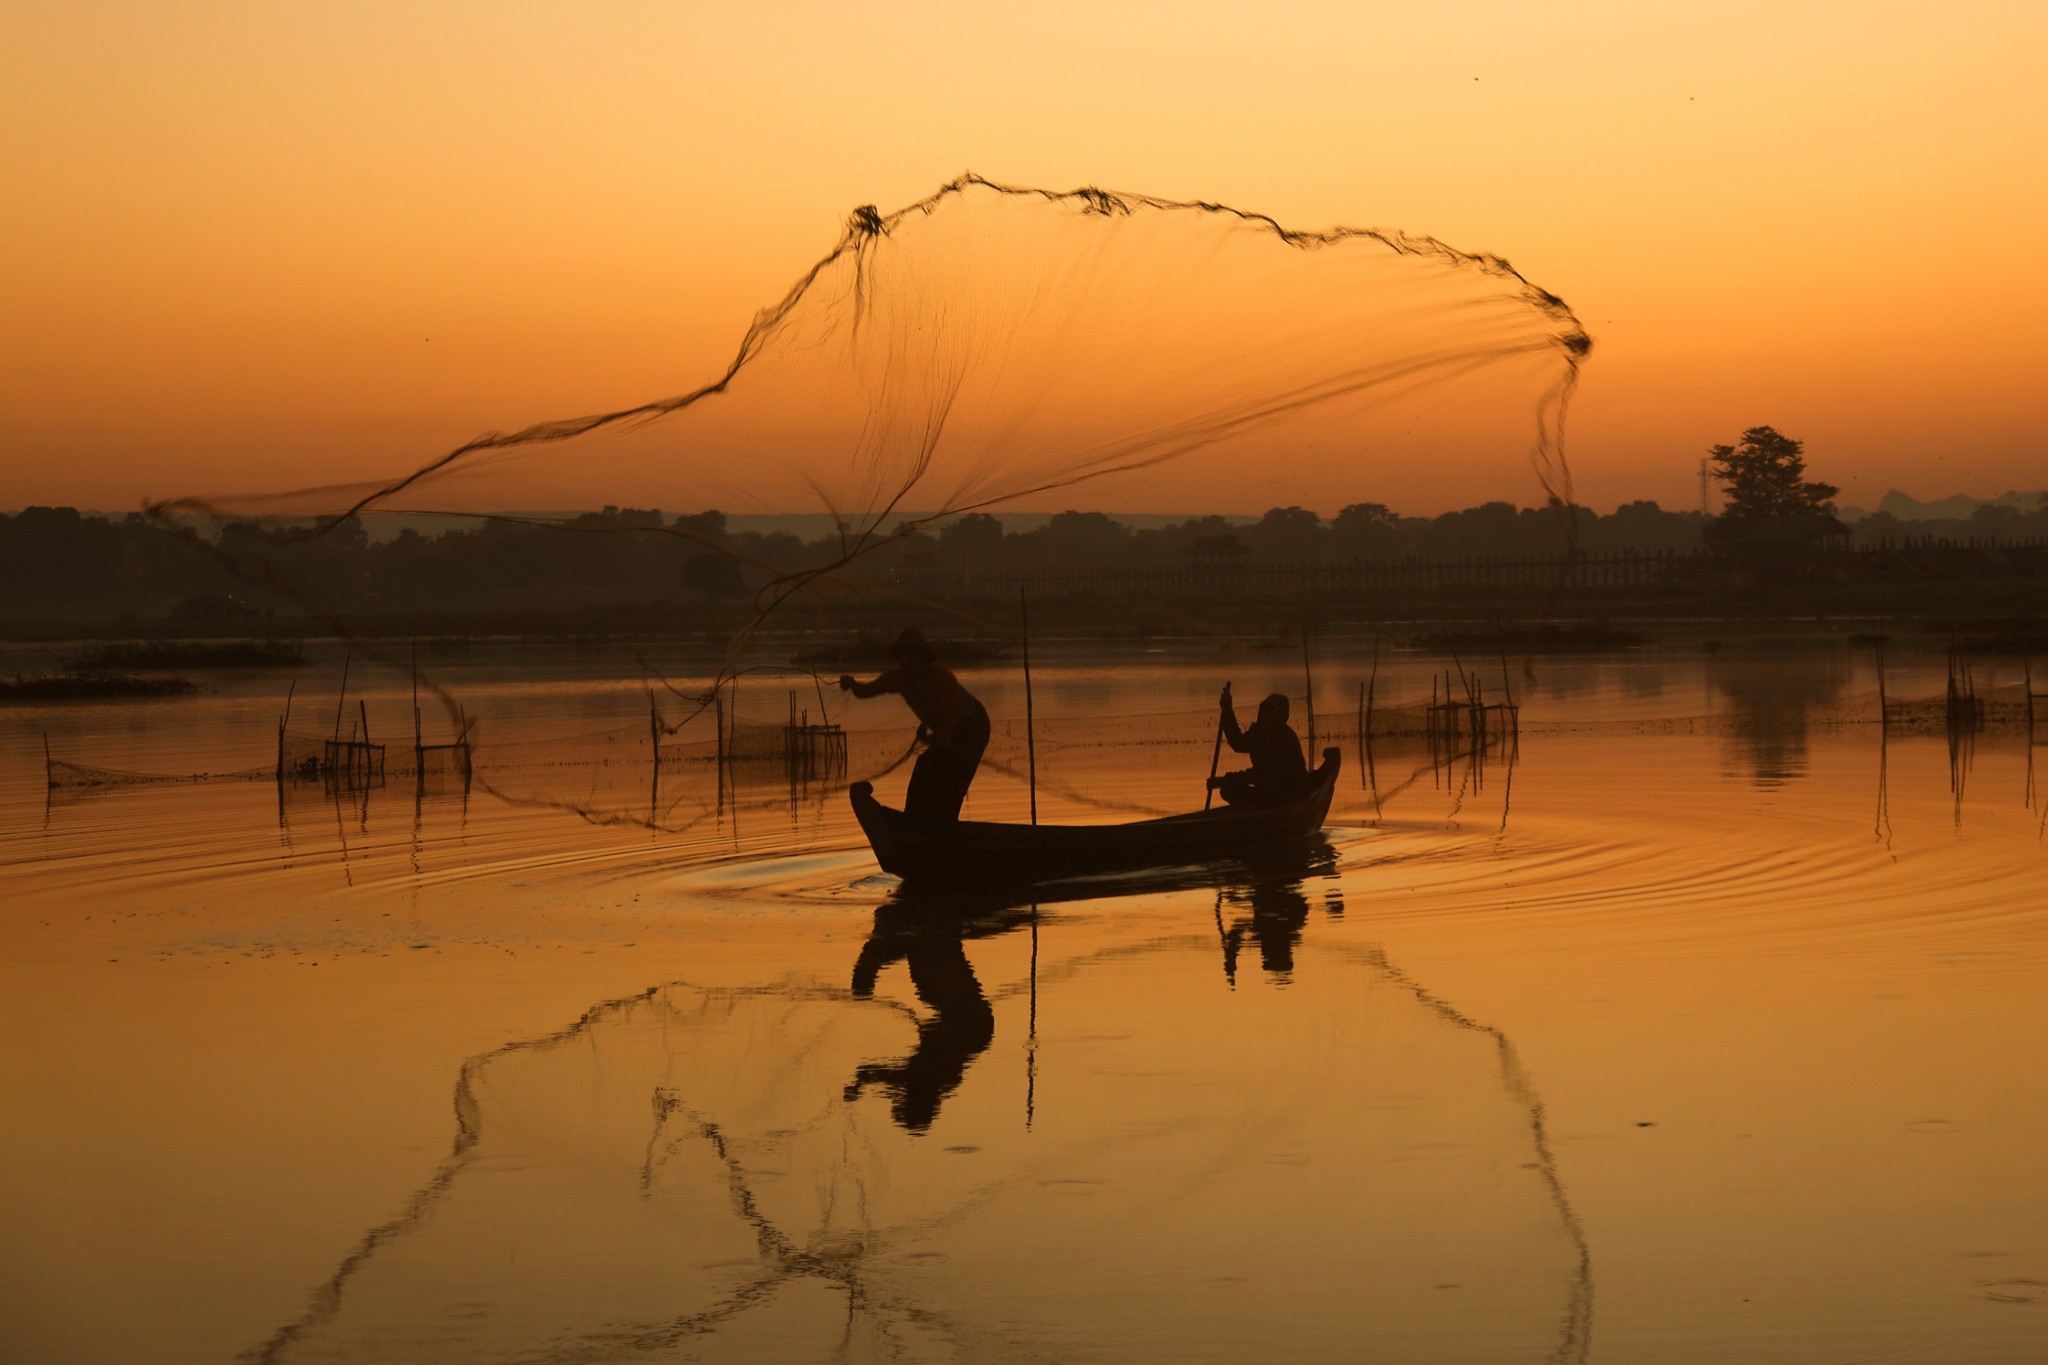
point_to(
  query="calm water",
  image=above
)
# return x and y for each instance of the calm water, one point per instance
(1703, 1024)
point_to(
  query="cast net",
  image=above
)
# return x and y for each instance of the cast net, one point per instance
(989, 348)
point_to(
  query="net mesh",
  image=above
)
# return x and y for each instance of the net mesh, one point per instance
(990, 347)
(65, 775)
(993, 347)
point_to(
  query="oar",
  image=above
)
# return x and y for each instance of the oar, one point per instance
(1215, 755)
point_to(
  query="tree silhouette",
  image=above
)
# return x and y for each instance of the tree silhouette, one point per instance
(1286, 534)
(1770, 499)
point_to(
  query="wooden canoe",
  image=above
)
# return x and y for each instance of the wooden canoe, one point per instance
(973, 850)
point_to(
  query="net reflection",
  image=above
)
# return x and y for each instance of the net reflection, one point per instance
(1347, 1165)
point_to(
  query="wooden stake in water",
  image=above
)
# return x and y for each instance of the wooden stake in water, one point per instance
(1370, 776)
(1308, 689)
(1030, 737)
(2027, 663)
(417, 738)
(282, 722)
(1884, 718)
(1360, 733)
(1372, 684)
(341, 701)
(653, 727)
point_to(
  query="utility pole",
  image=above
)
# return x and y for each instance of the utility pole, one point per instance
(1706, 491)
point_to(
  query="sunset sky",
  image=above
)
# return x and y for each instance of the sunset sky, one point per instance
(262, 245)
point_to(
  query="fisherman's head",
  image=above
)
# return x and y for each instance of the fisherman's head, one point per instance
(911, 649)
(1274, 708)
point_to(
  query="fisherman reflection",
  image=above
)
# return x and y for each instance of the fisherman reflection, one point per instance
(928, 936)
(1274, 893)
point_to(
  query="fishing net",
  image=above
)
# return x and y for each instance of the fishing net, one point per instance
(64, 775)
(988, 348)
(991, 344)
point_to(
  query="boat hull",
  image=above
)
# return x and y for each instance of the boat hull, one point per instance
(983, 851)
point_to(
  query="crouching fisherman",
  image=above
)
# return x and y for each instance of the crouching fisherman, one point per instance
(951, 724)
(1279, 773)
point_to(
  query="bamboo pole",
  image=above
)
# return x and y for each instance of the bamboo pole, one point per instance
(1030, 728)
(1308, 689)
(653, 727)
(2027, 663)
(1372, 684)
(341, 701)
(282, 722)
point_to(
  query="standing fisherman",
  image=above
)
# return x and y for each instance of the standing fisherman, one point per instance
(950, 722)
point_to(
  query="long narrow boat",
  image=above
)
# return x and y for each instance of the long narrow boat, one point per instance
(979, 850)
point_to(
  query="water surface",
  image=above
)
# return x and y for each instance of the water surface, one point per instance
(1703, 1023)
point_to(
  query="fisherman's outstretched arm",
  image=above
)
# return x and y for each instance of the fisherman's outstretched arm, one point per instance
(885, 683)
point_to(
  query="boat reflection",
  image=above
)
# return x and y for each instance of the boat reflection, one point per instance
(927, 928)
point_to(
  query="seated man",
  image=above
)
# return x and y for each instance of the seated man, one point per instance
(1278, 773)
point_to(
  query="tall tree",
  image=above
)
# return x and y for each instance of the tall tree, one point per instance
(1285, 534)
(1770, 499)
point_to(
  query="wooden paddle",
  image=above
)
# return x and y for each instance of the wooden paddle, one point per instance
(1215, 755)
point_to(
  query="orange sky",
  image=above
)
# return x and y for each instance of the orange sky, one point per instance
(257, 245)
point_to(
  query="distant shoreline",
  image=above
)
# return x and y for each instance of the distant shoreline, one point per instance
(1998, 615)
(384, 526)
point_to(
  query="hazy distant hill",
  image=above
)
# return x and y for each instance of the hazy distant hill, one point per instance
(1956, 508)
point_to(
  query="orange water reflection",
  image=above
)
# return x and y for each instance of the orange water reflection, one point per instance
(405, 1079)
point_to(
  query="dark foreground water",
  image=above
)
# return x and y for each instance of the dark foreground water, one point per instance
(1704, 1024)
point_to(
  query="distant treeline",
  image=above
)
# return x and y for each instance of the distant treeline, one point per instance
(59, 565)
